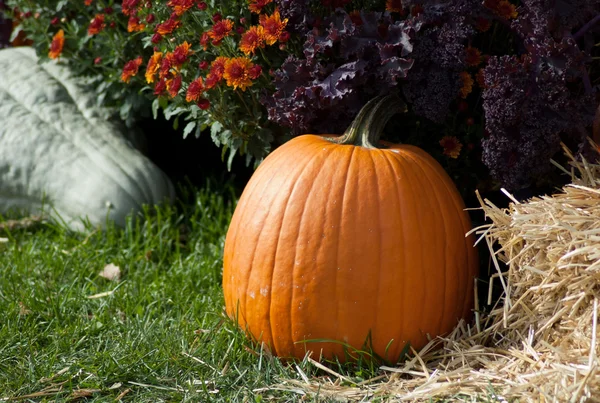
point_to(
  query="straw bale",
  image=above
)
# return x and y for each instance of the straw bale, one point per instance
(539, 341)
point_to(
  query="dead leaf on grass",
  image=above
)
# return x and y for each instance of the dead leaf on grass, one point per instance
(111, 272)
(79, 393)
(23, 310)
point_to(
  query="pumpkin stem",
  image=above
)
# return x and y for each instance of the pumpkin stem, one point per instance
(368, 125)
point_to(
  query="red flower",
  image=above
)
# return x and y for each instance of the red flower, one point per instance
(181, 53)
(256, 6)
(156, 38)
(134, 24)
(173, 85)
(204, 40)
(203, 65)
(393, 6)
(451, 146)
(88, 2)
(220, 30)
(211, 81)
(131, 69)
(195, 89)
(54, 21)
(180, 6)
(150, 18)
(252, 39)
(255, 71)
(202, 5)
(166, 65)
(217, 67)
(160, 87)
(98, 60)
(128, 7)
(472, 56)
(168, 26)
(56, 46)
(273, 27)
(96, 25)
(203, 104)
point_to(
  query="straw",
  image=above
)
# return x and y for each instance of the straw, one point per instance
(539, 341)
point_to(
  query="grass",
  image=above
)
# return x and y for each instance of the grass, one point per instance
(157, 334)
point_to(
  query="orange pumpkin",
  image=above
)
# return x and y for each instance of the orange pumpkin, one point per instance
(336, 240)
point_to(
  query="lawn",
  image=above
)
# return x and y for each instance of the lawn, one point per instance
(158, 333)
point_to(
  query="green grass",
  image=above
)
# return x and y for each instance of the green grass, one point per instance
(158, 334)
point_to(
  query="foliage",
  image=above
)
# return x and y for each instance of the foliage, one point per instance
(487, 81)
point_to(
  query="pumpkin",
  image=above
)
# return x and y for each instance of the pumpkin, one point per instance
(349, 243)
(60, 152)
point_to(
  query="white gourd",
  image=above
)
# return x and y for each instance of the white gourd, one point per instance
(58, 147)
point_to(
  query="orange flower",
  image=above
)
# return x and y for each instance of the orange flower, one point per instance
(131, 69)
(204, 40)
(237, 72)
(88, 2)
(173, 85)
(153, 65)
(133, 24)
(217, 67)
(128, 7)
(483, 24)
(480, 78)
(506, 9)
(252, 39)
(168, 26)
(472, 56)
(451, 146)
(256, 6)
(220, 30)
(195, 89)
(180, 6)
(165, 65)
(181, 53)
(96, 25)
(56, 47)
(393, 6)
(273, 27)
(467, 84)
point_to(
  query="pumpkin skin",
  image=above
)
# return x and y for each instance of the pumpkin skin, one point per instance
(340, 242)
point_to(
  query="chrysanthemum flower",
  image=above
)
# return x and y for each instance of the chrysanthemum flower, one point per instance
(217, 67)
(128, 7)
(252, 39)
(467, 84)
(160, 87)
(451, 146)
(166, 64)
(96, 25)
(153, 66)
(273, 27)
(483, 24)
(195, 89)
(256, 6)
(173, 85)
(506, 9)
(131, 69)
(220, 30)
(204, 40)
(480, 78)
(203, 104)
(133, 24)
(168, 26)
(237, 72)
(56, 46)
(393, 6)
(180, 6)
(472, 56)
(88, 2)
(181, 53)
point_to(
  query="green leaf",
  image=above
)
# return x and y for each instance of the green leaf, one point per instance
(188, 128)
(155, 105)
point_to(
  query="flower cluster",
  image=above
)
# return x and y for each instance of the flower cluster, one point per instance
(494, 82)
